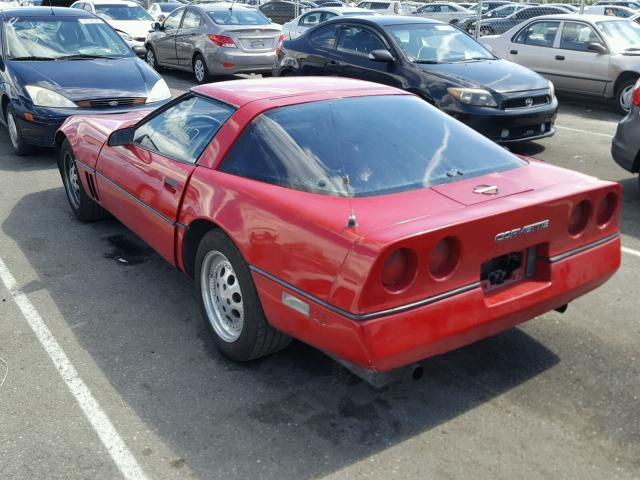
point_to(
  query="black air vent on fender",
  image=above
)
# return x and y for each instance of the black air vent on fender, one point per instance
(92, 186)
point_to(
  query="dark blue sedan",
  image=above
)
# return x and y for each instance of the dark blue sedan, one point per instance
(59, 62)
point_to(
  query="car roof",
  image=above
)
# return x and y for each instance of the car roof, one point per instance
(384, 20)
(241, 92)
(217, 6)
(47, 11)
(584, 17)
(112, 2)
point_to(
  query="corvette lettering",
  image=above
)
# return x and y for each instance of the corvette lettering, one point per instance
(526, 230)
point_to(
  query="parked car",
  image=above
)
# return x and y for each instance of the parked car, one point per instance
(468, 24)
(59, 62)
(625, 147)
(252, 3)
(466, 5)
(160, 11)
(611, 10)
(279, 199)
(128, 18)
(568, 6)
(214, 39)
(633, 5)
(315, 16)
(391, 7)
(282, 12)
(330, 3)
(488, 6)
(584, 54)
(438, 62)
(497, 26)
(447, 12)
(635, 18)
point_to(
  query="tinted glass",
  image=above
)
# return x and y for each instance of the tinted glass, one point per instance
(183, 131)
(311, 19)
(191, 20)
(324, 37)
(359, 41)
(122, 12)
(621, 35)
(436, 43)
(362, 146)
(577, 36)
(173, 21)
(167, 7)
(239, 17)
(540, 34)
(50, 37)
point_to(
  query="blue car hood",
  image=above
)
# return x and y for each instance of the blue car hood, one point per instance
(498, 76)
(88, 79)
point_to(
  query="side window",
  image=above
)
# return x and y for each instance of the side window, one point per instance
(539, 34)
(79, 6)
(578, 36)
(359, 41)
(324, 37)
(191, 19)
(327, 15)
(184, 130)
(311, 19)
(173, 21)
(87, 7)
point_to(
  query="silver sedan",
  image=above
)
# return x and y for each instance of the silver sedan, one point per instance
(214, 39)
(585, 54)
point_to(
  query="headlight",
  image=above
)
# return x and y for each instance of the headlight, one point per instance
(552, 90)
(43, 97)
(473, 96)
(125, 36)
(159, 92)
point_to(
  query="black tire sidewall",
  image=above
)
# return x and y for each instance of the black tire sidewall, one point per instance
(88, 210)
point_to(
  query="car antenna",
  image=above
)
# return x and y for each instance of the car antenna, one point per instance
(231, 7)
(352, 221)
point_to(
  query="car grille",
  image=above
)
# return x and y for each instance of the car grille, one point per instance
(526, 102)
(140, 39)
(111, 102)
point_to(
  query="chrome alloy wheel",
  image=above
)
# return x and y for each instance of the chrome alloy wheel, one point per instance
(625, 98)
(13, 130)
(222, 297)
(72, 179)
(198, 69)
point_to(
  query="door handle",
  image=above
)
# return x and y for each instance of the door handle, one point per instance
(559, 57)
(171, 183)
(513, 52)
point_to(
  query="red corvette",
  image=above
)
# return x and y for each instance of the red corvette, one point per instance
(352, 216)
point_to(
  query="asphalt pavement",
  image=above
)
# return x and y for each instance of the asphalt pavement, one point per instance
(107, 373)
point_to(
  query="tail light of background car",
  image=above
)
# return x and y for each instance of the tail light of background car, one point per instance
(399, 269)
(222, 41)
(444, 258)
(279, 45)
(636, 95)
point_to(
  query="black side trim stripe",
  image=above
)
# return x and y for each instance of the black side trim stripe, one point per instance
(372, 315)
(575, 251)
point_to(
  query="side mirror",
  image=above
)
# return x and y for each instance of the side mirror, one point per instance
(121, 137)
(381, 56)
(156, 26)
(597, 47)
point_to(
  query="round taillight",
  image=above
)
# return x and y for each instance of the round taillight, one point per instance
(579, 219)
(444, 258)
(606, 209)
(399, 269)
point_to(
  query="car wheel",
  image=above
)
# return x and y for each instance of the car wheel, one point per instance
(624, 95)
(200, 70)
(150, 58)
(20, 147)
(454, 22)
(82, 205)
(229, 302)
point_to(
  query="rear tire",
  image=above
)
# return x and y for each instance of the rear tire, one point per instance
(20, 147)
(229, 302)
(624, 93)
(200, 70)
(82, 205)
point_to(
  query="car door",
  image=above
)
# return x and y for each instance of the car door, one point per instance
(533, 47)
(187, 36)
(164, 42)
(355, 43)
(142, 183)
(579, 69)
(320, 50)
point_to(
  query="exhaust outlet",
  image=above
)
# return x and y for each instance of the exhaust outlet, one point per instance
(413, 372)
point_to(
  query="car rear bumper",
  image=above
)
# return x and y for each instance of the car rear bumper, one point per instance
(625, 146)
(224, 61)
(449, 322)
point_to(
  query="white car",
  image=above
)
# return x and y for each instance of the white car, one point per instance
(129, 19)
(611, 11)
(160, 11)
(443, 11)
(387, 8)
(313, 17)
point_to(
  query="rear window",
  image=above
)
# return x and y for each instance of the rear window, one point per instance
(361, 147)
(238, 17)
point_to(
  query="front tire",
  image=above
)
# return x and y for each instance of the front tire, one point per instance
(624, 94)
(200, 70)
(20, 147)
(229, 302)
(151, 59)
(82, 205)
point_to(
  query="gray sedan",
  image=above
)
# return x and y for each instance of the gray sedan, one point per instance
(214, 39)
(625, 147)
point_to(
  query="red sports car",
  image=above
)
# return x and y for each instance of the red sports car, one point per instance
(350, 215)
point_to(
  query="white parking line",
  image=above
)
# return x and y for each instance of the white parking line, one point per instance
(584, 131)
(631, 251)
(98, 419)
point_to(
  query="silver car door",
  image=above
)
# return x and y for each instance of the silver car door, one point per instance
(164, 41)
(533, 46)
(187, 36)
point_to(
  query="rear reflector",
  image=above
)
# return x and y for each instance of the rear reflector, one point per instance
(222, 41)
(228, 65)
(579, 218)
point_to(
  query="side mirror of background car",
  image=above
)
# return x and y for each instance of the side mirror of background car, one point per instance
(381, 56)
(597, 47)
(121, 137)
(156, 26)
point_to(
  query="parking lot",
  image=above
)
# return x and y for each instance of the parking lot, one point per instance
(555, 398)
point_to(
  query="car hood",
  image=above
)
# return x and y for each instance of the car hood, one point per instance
(498, 76)
(135, 28)
(87, 79)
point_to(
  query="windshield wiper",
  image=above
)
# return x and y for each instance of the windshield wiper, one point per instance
(83, 56)
(632, 49)
(26, 59)
(472, 59)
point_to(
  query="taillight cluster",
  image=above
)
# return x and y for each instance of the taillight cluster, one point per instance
(400, 268)
(583, 212)
(223, 41)
(635, 99)
(279, 45)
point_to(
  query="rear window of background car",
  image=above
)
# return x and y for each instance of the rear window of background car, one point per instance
(238, 17)
(362, 146)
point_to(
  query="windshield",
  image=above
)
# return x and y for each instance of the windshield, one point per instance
(621, 35)
(54, 38)
(122, 12)
(239, 17)
(434, 43)
(363, 146)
